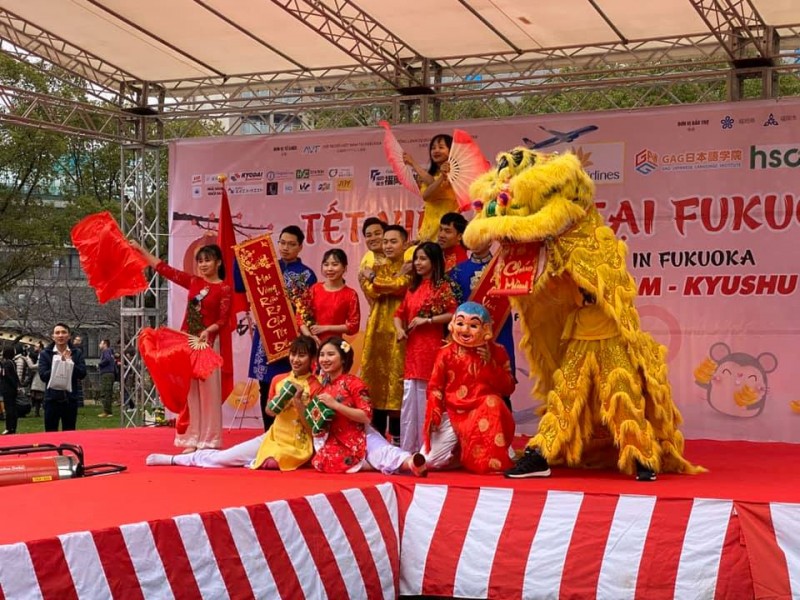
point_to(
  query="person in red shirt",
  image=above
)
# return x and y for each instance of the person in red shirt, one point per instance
(428, 304)
(330, 307)
(207, 312)
(451, 229)
(350, 443)
(466, 420)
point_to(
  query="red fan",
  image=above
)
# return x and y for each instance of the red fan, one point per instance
(165, 353)
(173, 358)
(394, 154)
(203, 357)
(467, 163)
(113, 268)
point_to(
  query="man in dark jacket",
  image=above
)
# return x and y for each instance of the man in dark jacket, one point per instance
(61, 405)
(107, 369)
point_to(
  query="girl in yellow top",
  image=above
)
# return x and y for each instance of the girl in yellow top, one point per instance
(286, 445)
(437, 194)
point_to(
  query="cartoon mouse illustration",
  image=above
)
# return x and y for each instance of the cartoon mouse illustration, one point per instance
(735, 382)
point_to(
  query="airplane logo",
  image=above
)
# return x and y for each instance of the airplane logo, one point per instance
(558, 137)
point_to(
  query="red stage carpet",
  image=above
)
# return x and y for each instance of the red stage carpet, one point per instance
(178, 532)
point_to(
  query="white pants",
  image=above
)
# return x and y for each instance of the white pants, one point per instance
(383, 456)
(443, 442)
(205, 414)
(240, 455)
(412, 414)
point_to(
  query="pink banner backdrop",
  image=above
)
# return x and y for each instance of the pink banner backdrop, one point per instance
(707, 198)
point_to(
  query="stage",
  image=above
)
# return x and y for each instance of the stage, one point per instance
(178, 532)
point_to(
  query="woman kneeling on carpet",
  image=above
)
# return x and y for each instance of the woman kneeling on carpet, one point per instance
(349, 443)
(287, 443)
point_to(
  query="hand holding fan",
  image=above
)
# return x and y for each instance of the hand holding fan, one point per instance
(394, 154)
(203, 358)
(173, 358)
(467, 163)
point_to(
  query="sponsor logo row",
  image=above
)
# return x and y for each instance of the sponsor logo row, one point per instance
(754, 158)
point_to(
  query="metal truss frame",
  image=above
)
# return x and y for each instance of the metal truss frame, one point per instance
(140, 204)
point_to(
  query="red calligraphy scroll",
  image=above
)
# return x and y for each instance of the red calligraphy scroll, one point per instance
(497, 305)
(516, 270)
(266, 292)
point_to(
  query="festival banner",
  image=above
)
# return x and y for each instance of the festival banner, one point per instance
(705, 197)
(269, 303)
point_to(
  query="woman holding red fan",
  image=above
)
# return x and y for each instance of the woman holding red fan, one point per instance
(206, 312)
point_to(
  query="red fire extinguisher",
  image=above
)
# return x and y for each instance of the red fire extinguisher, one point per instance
(39, 463)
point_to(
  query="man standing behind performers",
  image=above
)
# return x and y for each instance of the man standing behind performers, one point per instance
(383, 361)
(451, 228)
(290, 244)
(467, 275)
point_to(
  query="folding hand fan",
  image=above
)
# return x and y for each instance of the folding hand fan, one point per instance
(394, 154)
(467, 163)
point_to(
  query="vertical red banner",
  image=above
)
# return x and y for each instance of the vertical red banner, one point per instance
(269, 303)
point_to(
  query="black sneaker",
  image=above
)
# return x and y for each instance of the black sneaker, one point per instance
(531, 464)
(643, 473)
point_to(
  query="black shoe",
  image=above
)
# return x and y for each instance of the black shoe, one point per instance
(531, 464)
(643, 473)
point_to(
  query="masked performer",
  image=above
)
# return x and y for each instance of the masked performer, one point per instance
(465, 398)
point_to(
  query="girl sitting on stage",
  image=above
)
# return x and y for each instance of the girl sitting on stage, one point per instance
(350, 443)
(287, 443)
(206, 313)
(428, 304)
(330, 307)
(437, 194)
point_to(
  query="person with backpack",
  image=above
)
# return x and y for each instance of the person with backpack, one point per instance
(25, 370)
(9, 384)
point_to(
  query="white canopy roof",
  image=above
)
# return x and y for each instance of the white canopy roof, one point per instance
(181, 41)
(215, 57)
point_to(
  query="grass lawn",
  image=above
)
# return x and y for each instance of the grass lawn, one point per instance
(87, 419)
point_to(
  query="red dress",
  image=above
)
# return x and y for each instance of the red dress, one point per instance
(346, 443)
(334, 308)
(471, 391)
(425, 340)
(213, 300)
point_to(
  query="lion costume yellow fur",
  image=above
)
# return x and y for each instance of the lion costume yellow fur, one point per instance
(603, 380)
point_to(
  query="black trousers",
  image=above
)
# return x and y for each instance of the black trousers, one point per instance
(10, 401)
(64, 413)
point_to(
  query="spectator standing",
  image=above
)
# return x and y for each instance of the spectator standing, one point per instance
(77, 342)
(37, 385)
(61, 397)
(9, 384)
(107, 369)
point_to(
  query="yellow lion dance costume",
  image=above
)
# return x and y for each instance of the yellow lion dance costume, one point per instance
(603, 380)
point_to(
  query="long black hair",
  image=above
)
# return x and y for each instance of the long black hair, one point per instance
(213, 252)
(436, 256)
(448, 140)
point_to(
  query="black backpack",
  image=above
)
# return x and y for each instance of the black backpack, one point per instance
(8, 375)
